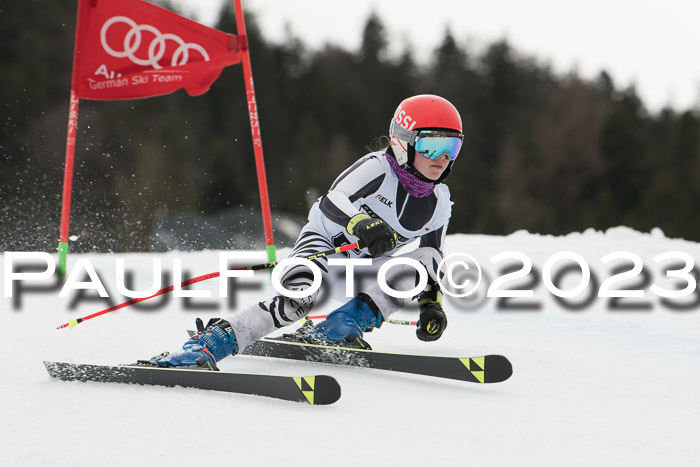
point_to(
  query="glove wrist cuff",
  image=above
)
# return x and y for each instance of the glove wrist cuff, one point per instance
(353, 222)
(430, 296)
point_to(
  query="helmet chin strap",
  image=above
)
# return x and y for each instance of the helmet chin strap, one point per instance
(422, 177)
(409, 166)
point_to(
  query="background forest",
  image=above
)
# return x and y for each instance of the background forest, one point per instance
(548, 153)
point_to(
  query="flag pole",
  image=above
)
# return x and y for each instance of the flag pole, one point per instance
(255, 130)
(70, 143)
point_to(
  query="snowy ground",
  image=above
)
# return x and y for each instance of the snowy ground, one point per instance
(597, 386)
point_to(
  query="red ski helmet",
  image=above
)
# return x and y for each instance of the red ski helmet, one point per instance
(423, 112)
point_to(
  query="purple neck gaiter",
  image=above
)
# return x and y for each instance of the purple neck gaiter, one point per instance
(411, 183)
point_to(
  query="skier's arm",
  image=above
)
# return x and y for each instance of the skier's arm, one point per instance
(432, 321)
(435, 239)
(359, 181)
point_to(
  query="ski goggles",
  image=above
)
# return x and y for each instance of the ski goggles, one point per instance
(433, 143)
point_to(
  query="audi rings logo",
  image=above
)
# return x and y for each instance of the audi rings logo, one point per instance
(156, 49)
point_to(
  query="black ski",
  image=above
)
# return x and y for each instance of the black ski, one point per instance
(483, 369)
(316, 390)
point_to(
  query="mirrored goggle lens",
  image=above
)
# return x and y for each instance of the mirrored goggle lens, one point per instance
(433, 146)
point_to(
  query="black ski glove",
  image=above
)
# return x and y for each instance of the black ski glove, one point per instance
(374, 234)
(432, 321)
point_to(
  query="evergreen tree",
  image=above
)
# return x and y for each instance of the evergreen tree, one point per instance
(542, 152)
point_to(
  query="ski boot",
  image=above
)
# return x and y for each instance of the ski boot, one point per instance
(204, 348)
(344, 327)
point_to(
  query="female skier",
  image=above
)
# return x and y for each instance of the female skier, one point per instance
(385, 200)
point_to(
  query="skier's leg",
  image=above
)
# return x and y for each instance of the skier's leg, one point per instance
(403, 277)
(372, 306)
(261, 319)
(258, 320)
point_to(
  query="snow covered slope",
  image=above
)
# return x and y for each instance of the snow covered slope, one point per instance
(599, 385)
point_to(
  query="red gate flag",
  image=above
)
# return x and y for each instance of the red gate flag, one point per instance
(127, 49)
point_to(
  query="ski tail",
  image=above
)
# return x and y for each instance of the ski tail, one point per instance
(315, 389)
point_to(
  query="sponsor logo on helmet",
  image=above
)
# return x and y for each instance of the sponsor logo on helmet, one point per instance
(403, 119)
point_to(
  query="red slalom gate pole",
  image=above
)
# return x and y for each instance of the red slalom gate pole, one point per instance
(255, 130)
(74, 322)
(67, 183)
(70, 146)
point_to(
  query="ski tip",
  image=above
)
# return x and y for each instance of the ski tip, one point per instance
(498, 369)
(319, 390)
(487, 369)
